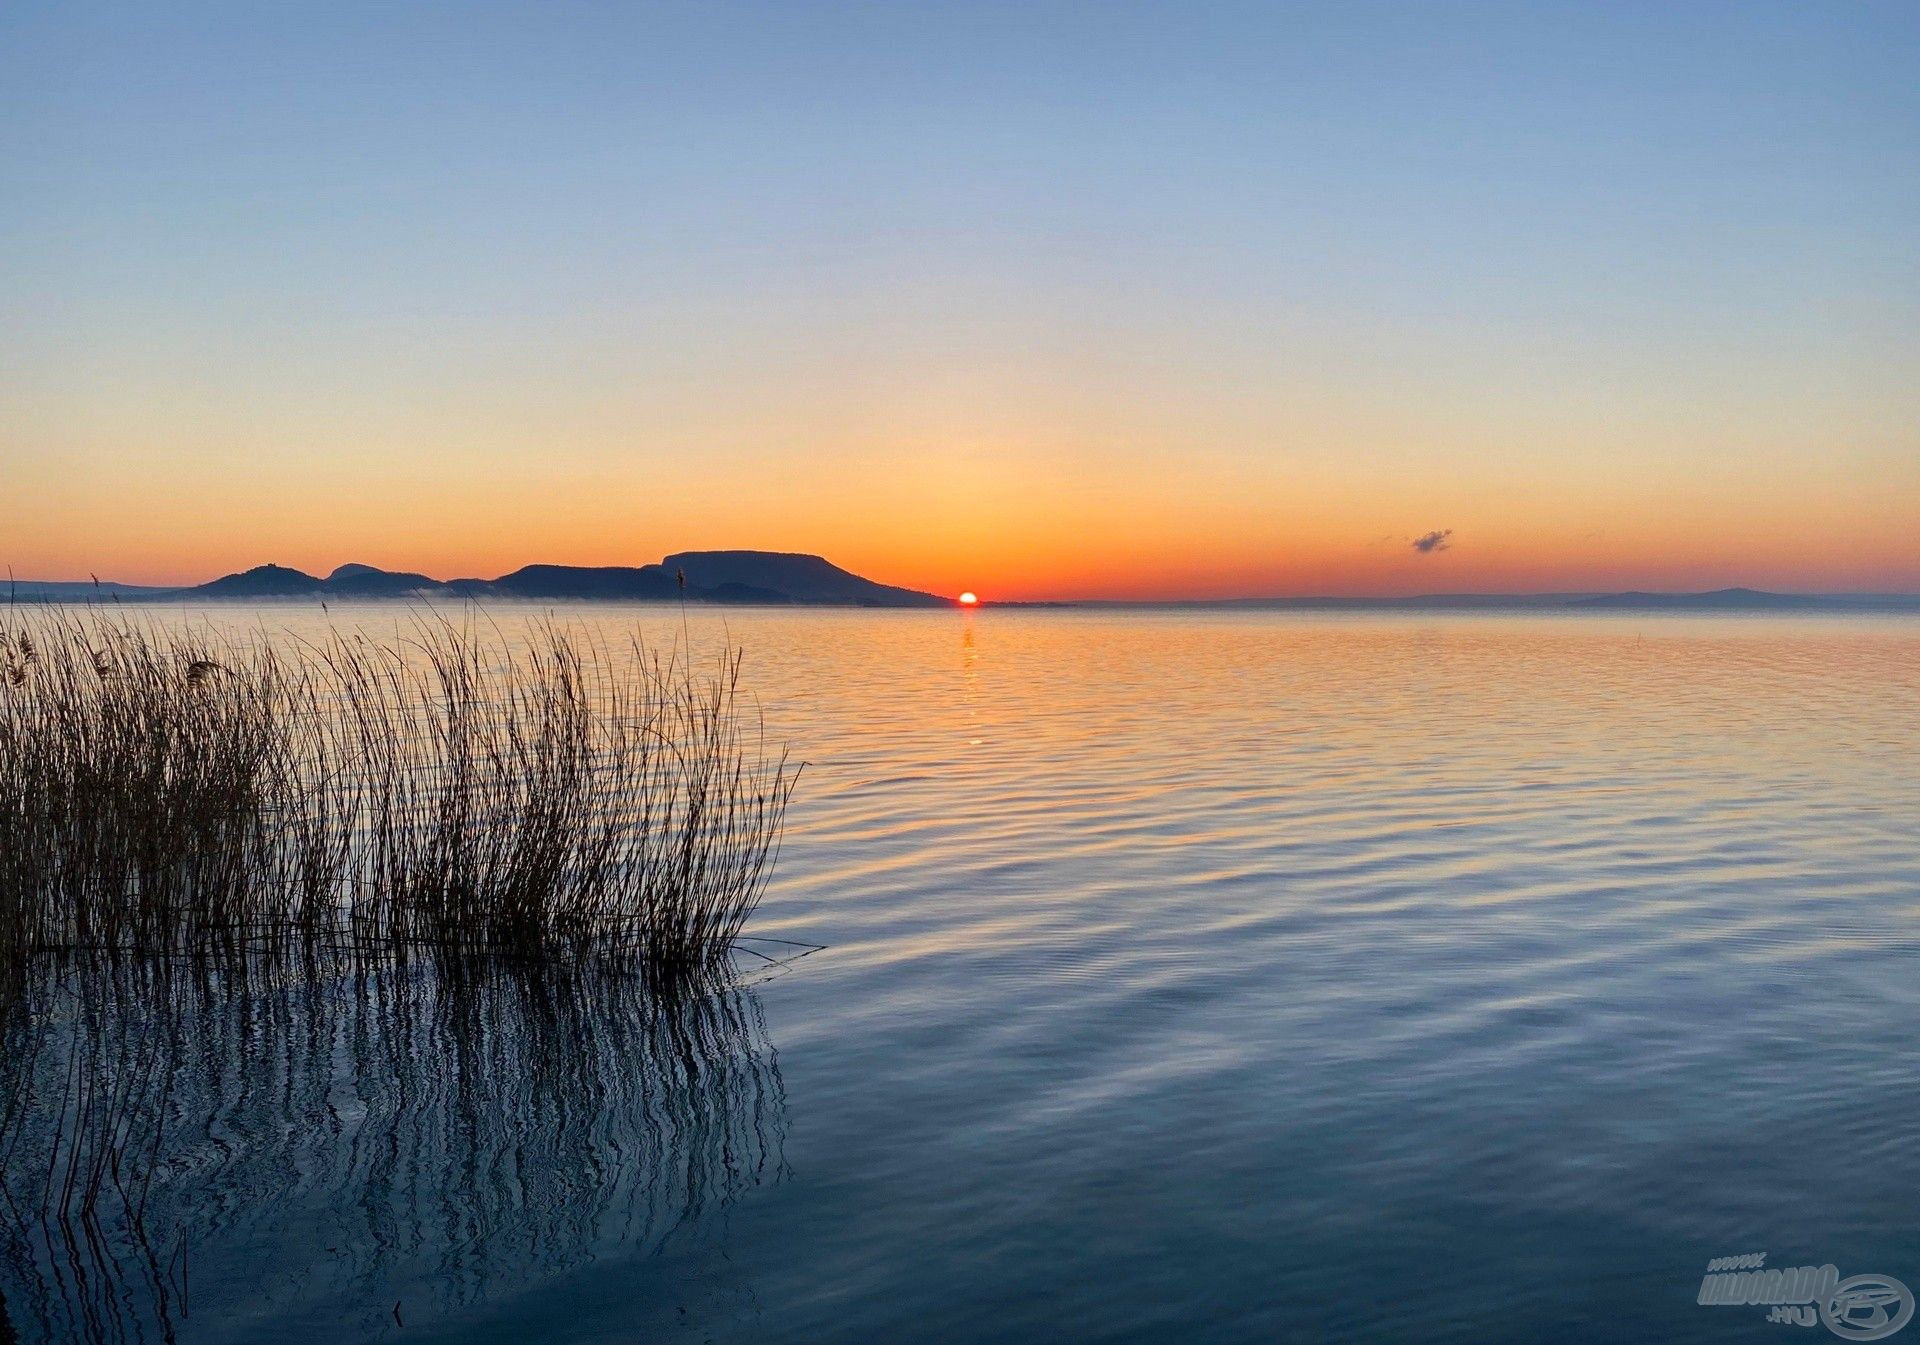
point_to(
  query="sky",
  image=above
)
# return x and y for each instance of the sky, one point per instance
(1034, 299)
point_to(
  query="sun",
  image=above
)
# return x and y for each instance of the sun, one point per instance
(969, 599)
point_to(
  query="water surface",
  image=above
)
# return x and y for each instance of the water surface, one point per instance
(1240, 977)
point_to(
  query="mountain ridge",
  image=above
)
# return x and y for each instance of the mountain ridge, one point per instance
(731, 577)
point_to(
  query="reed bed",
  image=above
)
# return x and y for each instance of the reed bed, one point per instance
(453, 791)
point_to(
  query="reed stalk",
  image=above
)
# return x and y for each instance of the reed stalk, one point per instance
(179, 790)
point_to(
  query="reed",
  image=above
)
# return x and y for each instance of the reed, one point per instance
(454, 790)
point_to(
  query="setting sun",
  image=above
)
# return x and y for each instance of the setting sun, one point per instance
(969, 600)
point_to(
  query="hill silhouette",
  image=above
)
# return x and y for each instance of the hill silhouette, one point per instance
(807, 578)
(262, 581)
(1718, 600)
(369, 581)
(740, 577)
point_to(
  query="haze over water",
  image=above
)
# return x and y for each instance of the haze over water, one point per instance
(1252, 976)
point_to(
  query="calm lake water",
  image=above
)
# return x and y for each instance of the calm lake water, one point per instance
(1213, 977)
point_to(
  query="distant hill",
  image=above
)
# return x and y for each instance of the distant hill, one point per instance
(75, 590)
(367, 581)
(588, 581)
(1719, 600)
(262, 581)
(806, 578)
(734, 577)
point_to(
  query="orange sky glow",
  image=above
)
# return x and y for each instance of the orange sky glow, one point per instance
(1214, 304)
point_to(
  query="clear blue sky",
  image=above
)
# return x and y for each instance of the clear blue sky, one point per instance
(1023, 297)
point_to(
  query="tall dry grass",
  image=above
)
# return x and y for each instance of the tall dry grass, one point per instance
(454, 790)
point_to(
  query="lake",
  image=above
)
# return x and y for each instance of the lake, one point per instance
(1212, 976)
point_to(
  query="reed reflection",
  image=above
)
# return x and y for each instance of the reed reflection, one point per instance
(334, 1134)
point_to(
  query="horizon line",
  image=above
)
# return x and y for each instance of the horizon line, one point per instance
(1432, 595)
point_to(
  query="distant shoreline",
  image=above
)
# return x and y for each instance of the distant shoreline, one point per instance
(1710, 603)
(746, 578)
